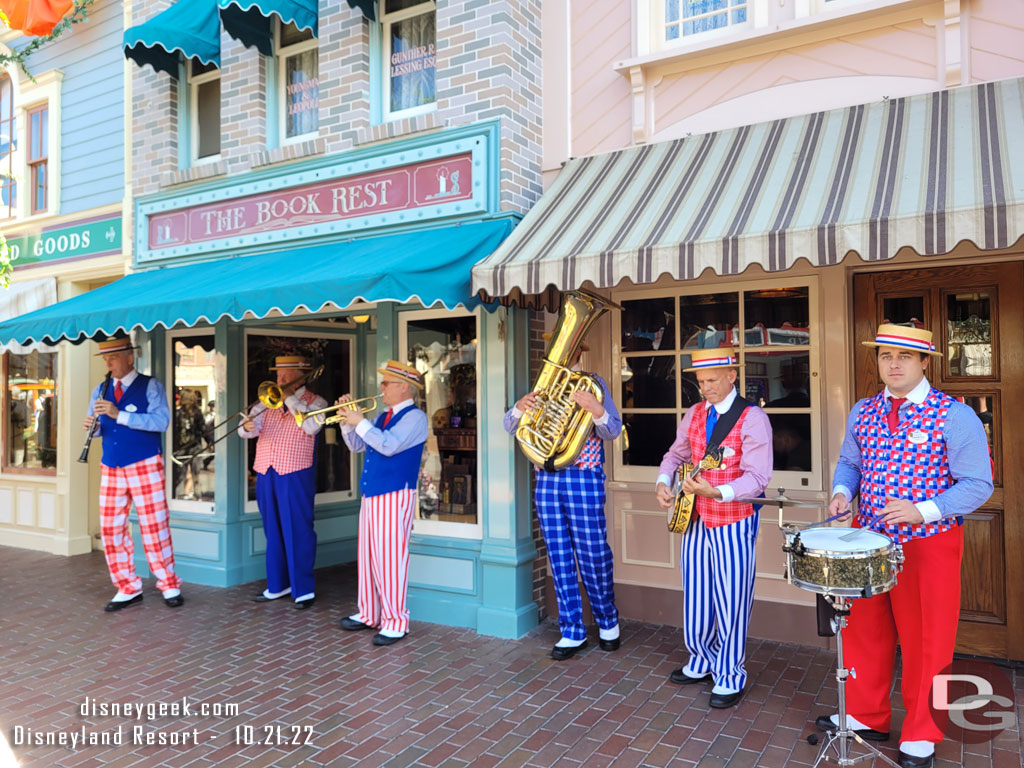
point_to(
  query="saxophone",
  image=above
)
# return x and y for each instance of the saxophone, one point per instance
(552, 434)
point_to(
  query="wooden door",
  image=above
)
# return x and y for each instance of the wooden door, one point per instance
(976, 313)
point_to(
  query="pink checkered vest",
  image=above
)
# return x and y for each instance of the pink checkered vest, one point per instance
(719, 513)
(892, 465)
(283, 444)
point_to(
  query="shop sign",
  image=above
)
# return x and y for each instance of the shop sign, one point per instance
(75, 240)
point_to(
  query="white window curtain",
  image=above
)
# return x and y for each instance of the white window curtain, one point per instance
(22, 298)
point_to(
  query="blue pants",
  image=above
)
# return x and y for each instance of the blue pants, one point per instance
(286, 506)
(570, 507)
(718, 567)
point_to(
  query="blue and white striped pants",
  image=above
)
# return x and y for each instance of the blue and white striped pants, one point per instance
(570, 507)
(718, 566)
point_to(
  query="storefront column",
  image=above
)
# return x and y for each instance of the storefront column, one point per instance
(241, 564)
(73, 476)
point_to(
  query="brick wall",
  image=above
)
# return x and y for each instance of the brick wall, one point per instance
(540, 566)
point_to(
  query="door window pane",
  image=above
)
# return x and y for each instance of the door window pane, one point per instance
(986, 408)
(31, 429)
(969, 334)
(652, 383)
(904, 310)
(776, 317)
(650, 436)
(195, 394)
(778, 379)
(648, 324)
(444, 350)
(707, 320)
(791, 441)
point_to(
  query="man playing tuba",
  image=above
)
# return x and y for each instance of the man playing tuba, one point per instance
(570, 507)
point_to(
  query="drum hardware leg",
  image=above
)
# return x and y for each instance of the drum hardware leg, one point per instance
(839, 740)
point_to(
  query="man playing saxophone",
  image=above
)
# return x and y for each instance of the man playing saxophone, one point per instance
(570, 508)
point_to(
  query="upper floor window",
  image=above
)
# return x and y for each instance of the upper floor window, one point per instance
(298, 75)
(685, 18)
(204, 110)
(8, 136)
(38, 152)
(410, 42)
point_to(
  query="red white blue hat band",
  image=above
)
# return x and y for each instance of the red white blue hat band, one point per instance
(714, 361)
(903, 341)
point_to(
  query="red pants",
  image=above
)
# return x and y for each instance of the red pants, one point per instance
(921, 613)
(385, 523)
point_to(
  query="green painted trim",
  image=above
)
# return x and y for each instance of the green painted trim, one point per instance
(509, 624)
(443, 608)
(273, 102)
(184, 119)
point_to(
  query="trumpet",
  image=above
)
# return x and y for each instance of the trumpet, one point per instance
(321, 417)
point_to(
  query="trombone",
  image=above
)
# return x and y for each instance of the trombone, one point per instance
(321, 417)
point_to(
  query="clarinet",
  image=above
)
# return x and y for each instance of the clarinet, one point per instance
(84, 458)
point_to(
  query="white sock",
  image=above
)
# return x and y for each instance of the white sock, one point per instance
(307, 596)
(722, 690)
(392, 633)
(121, 597)
(609, 634)
(851, 722)
(690, 673)
(565, 642)
(171, 593)
(274, 595)
(917, 748)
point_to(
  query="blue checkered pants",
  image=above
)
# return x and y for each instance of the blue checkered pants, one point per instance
(570, 507)
(718, 567)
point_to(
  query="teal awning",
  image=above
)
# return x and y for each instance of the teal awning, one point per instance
(250, 21)
(189, 28)
(429, 266)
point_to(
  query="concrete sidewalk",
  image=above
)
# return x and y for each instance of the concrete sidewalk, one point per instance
(308, 694)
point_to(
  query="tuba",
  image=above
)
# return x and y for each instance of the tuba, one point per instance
(552, 434)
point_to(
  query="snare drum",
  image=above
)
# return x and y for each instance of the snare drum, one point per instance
(820, 561)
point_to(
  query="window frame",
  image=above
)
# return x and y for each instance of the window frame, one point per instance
(446, 528)
(5, 426)
(658, 25)
(386, 20)
(803, 481)
(281, 55)
(192, 86)
(42, 160)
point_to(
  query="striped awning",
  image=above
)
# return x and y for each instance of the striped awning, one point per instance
(925, 172)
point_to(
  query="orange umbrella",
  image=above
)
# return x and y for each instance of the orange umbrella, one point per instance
(35, 17)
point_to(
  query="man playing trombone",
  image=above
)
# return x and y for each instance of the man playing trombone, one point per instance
(394, 447)
(286, 483)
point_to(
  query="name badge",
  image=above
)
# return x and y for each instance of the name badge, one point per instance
(727, 451)
(131, 408)
(917, 437)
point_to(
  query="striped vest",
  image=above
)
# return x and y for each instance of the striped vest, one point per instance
(893, 465)
(283, 444)
(719, 513)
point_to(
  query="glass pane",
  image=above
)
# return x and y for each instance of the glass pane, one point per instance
(291, 34)
(778, 379)
(38, 176)
(671, 10)
(791, 441)
(412, 62)
(650, 436)
(32, 411)
(391, 6)
(672, 32)
(651, 382)
(693, 8)
(302, 93)
(776, 316)
(648, 324)
(6, 99)
(690, 391)
(444, 350)
(708, 320)
(35, 121)
(904, 310)
(333, 460)
(208, 117)
(195, 393)
(984, 406)
(969, 334)
(739, 16)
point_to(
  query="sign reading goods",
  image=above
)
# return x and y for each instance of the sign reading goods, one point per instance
(80, 239)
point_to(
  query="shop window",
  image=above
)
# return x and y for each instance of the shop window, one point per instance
(38, 143)
(204, 111)
(30, 428)
(443, 347)
(409, 47)
(194, 388)
(687, 18)
(334, 480)
(298, 77)
(771, 330)
(8, 138)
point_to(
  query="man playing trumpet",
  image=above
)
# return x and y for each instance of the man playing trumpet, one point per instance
(394, 448)
(286, 483)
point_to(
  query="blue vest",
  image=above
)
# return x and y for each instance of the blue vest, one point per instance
(123, 445)
(384, 474)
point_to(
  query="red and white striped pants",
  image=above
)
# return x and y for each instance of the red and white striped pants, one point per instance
(385, 523)
(143, 484)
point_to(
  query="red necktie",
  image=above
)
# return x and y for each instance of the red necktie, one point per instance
(894, 414)
(118, 391)
(387, 417)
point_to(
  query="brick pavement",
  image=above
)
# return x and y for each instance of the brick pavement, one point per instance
(443, 697)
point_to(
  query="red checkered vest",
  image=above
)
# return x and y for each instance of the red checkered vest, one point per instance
(891, 465)
(719, 513)
(592, 455)
(283, 444)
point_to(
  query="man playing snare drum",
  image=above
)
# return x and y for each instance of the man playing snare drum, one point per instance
(919, 460)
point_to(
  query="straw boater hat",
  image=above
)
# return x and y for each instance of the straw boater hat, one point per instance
(396, 371)
(906, 337)
(291, 362)
(717, 357)
(583, 345)
(119, 342)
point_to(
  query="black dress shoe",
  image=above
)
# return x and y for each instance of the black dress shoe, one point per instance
(117, 605)
(261, 598)
(380, 639)
(301, 605)
(825, 723)
(909, 761)
(725, 700)
(174, 602)
(559, 653)
(609, 645)
(352, 625)
(681, 678)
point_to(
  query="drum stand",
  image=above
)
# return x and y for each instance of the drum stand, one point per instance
(839, 740)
